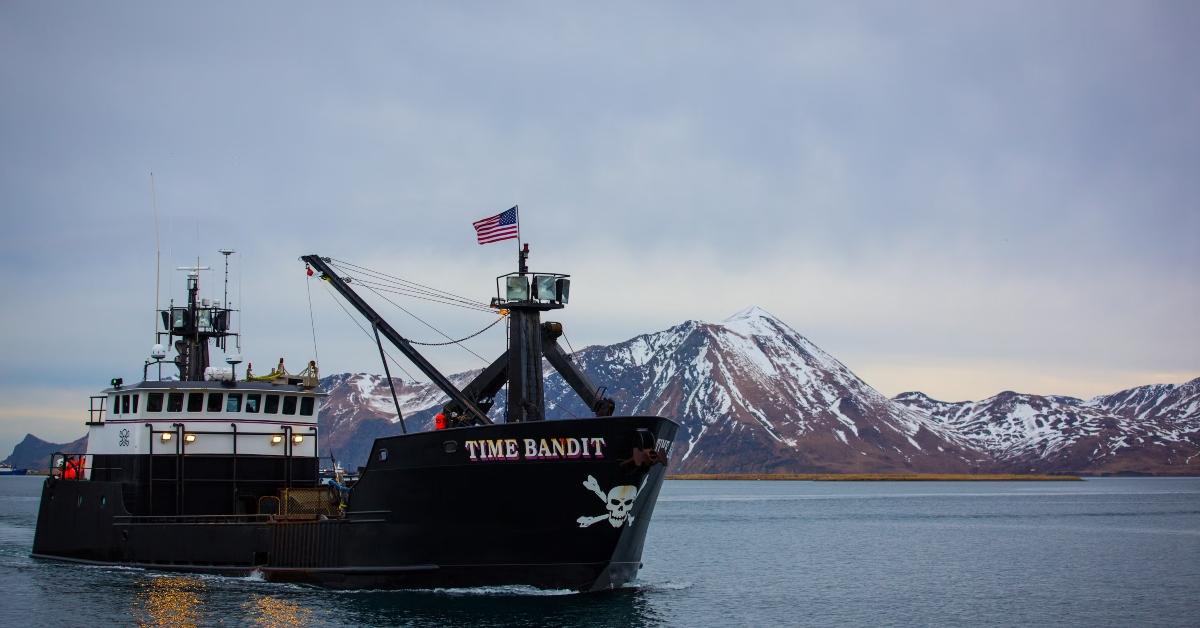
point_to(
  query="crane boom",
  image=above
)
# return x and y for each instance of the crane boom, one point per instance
(396, 339)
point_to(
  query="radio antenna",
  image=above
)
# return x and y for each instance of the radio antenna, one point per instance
(157, 255)
(226, 253)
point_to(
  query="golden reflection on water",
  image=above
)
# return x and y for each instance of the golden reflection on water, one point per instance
(178, 601)
(265, 610)
(170, 601)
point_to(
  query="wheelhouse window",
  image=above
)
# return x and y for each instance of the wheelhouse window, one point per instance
(272, 405)
(124, 404)
(195, 401)
(175, 402)
(233, 402)
(214, 402)
(289, 404)
(115, 406)
(135, 402)
(154, 403)
(252, 402)
(306, 406)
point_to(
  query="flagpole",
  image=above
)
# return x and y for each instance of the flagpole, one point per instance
(520, 255)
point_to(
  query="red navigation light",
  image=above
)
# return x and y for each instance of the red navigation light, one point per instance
(439, 421)
(308, 269)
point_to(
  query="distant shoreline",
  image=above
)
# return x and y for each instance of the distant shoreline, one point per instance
(880, 477)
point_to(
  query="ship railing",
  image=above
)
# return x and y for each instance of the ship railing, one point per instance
(236, 518)
(303, 503)
(149, 519)
(178, 436)
(96, 409)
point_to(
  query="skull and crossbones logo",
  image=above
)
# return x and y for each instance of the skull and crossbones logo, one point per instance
(618, 502)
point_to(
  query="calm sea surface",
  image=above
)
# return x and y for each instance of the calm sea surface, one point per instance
(1105, 552)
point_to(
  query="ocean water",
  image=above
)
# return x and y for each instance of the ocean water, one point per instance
(1104, 552)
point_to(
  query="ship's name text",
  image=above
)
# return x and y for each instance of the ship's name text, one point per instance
(499, 449)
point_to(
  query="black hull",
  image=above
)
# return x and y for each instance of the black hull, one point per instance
(433, 509)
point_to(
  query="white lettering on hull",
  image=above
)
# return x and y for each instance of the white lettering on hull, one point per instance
(509, 449)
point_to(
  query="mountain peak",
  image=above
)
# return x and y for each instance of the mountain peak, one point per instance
(751, 313)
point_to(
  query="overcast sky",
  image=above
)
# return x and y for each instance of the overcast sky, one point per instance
(953, 197)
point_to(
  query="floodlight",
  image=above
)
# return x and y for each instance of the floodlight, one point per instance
(517, 288)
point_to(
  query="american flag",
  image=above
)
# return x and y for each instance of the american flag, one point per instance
(502, 226)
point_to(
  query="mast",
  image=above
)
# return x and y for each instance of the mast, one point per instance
(191, 327)
(524, 295)
(526, 389)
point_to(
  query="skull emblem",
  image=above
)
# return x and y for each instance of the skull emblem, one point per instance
(620, 501)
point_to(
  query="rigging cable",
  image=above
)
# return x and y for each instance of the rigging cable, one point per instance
(423, 322)
(571, 355)
(311, 321)
(454, 342)
(415, 291)
(405, 283)
(367, 333)
(406, 293)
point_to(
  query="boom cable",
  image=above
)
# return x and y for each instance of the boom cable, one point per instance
(311, 321)
(454, 342)
(440, 332)
(405, 284)
(367, 333)
(403, 292)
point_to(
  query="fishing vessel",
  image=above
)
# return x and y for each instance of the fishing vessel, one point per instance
(209, 471)
(7, 469)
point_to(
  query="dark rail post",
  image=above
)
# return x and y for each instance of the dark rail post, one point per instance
(150, 484)
(235, 457)
(388, 373)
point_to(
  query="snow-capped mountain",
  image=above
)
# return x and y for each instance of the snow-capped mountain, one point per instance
(751, 394)
(1151, 429)
(359, 409)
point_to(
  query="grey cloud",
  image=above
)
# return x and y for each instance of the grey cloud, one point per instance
(953, 158)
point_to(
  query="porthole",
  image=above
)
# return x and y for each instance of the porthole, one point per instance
(382, 455)
(450, 446)
(103, 501)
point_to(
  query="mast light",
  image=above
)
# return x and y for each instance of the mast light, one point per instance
(544, 288)
(562, 290)
(516, 288)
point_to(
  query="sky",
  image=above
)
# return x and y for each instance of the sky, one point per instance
(954, 197)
